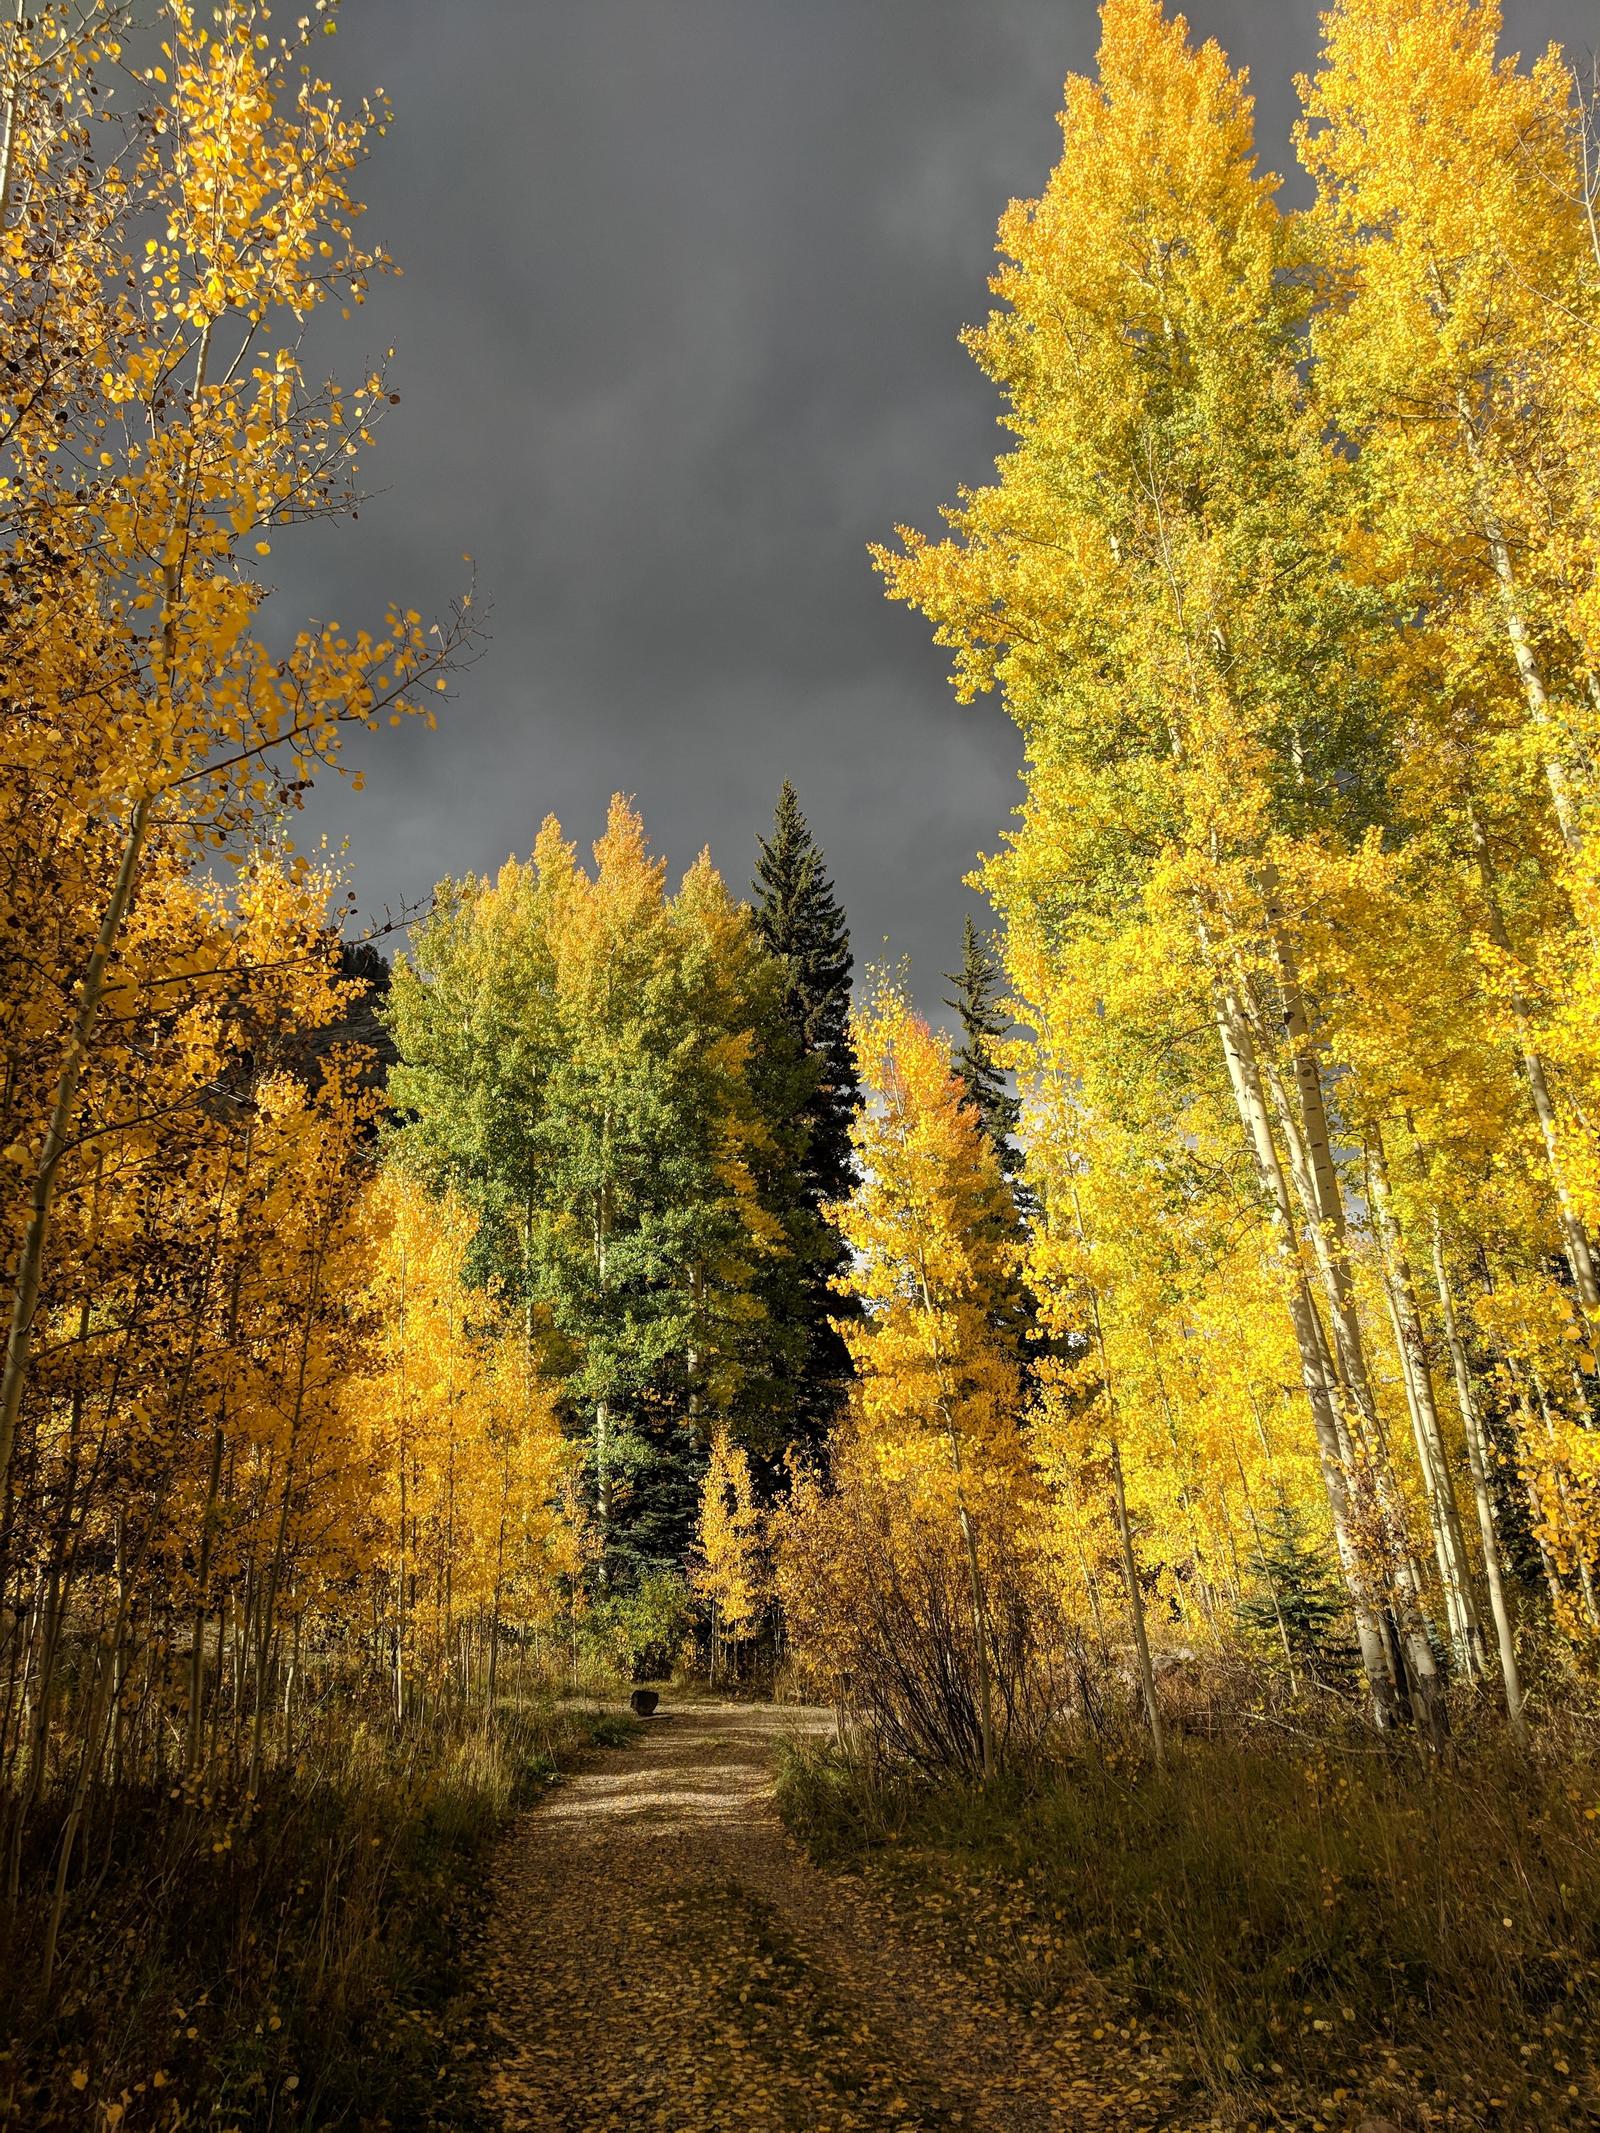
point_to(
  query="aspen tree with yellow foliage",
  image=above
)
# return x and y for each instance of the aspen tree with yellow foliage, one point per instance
(933, 1456)
(730, 1573)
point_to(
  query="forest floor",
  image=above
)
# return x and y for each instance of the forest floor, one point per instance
(661, 1954)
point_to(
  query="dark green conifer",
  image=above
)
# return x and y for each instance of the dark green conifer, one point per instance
(1296, 1604)
(800, 922)
(983, 1025)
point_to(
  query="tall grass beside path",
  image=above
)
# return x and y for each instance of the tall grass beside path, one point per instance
(299, 1959)
(1322, 1933)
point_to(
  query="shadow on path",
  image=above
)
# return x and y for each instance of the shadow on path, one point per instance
(662, 1955)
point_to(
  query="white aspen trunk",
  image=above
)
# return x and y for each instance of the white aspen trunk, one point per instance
(1536, 1509)
(1461, 1642)
(692, 1356)
(1243, 1069)
(402, 1463)
(1238, 1052)
(602, 1473)
(1478, 1465)
(1438, 1483)
(1236, 1580)
(448, 1568)
(1534, 691)
(400, 1601)
(8, 122)
(1304, 1127)
(208, 1514)
(223, 1609)
(1535, 694)
(63, 1565)
(197, 1652)
(980, 1613)
(969, 1542)
(492, 1672)
(1141, 1638)
(291, 1679)
(101, 1718)
(1090, 1586)
(267, 1631)
(1574, 1232)
(1591, 1603)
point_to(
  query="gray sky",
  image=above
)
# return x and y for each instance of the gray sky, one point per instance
(676, 338)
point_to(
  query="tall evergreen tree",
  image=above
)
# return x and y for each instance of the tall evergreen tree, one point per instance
(976, 1001)
(999, 1111)
(800, 922)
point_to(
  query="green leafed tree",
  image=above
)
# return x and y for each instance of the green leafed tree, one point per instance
(578, 1058)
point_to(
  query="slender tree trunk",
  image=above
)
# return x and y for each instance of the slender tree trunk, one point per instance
(1130, 1566)
(8, 119)
(1202, 1583)
(1574, 1231)
(1438, 1484)
(980, 1611)
(197, 1654)
(1239, 1053)
(400, 1601)
(602, 1476)
(496, 1598)
(1478, 1465)
(102, 1712)
(58, 1588)
(208, 1515)
(267, 1630)
(1534, 692)
(1574, 1527)
(1090, 1586)
(1141, 1638)
(1304, 1126)
(58, 1136)
(224, 1609)
(602, 1410)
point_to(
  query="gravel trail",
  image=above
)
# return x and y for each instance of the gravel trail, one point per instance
(662, 1955)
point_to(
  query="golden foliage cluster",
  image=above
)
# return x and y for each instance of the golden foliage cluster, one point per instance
(256, 1435)
(1288, 577)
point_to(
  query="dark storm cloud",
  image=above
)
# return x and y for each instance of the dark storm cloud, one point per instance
(676, 338)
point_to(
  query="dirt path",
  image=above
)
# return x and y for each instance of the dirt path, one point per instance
(663, 1956)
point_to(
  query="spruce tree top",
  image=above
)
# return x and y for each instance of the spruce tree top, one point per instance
(801, 922)
(983, 1025)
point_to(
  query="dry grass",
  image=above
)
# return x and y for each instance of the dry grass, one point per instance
(1324, 1927)
(303, 1959)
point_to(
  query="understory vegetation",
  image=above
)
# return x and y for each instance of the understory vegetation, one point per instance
(303, 1952)
(1312, 1929)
